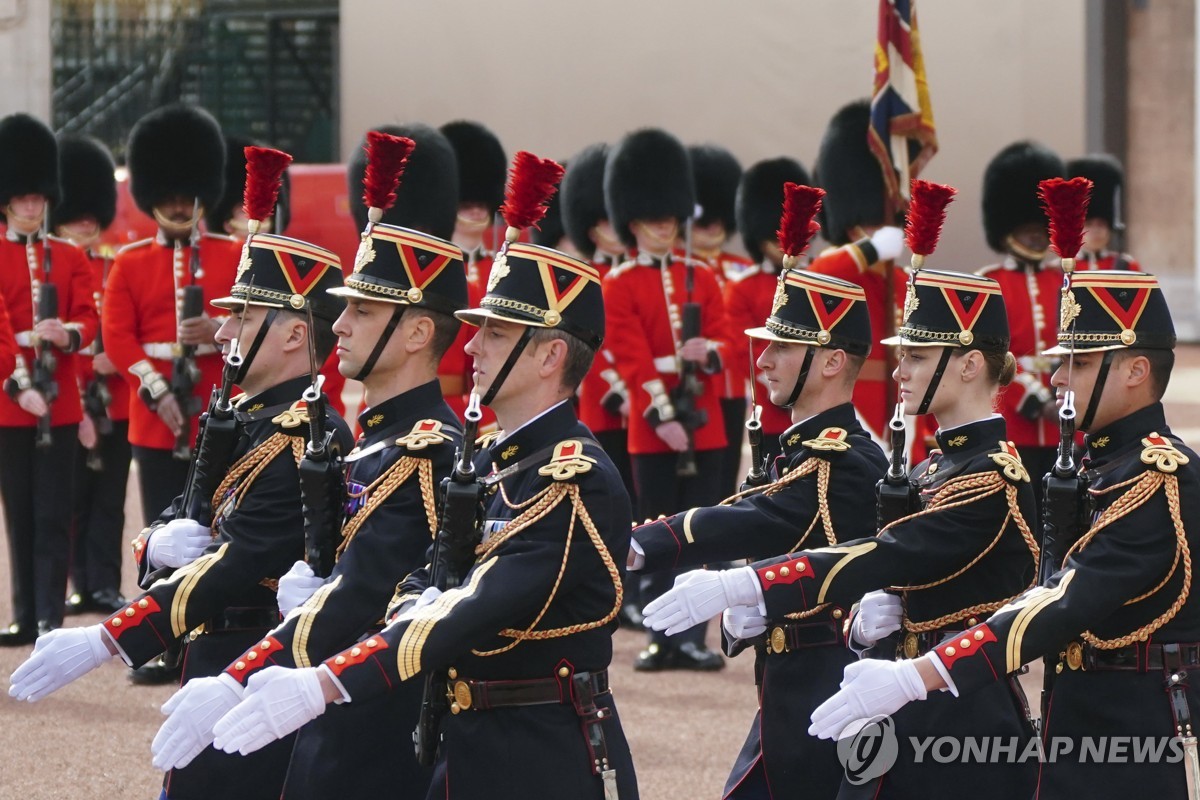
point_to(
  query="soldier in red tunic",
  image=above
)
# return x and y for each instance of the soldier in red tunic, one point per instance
(1015, 225)
(176, 163)
(750, 295)
(1104, 221)
(40, 408)
(87, 208)
(650, 196)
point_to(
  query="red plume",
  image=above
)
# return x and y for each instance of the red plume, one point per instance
(387, 155)
(1066, 203)
(264, 171)
(531, 184)
(797, 226)
(926, 215)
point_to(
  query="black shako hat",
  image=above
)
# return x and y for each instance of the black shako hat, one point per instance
(818, 310)
(953, 309)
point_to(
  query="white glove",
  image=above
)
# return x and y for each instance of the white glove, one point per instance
(870, 688)
(879, 614)
(277, 702)
(191, 713)
(888, 242)
(296, 586)
(58, 658)
(700, 595)
(743, 622)
(178, 543)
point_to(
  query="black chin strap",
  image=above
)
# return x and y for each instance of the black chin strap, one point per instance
(384, 338)
(1094, 401)
(509, 363)
(934, 381)
(268, 321)
(802, 378)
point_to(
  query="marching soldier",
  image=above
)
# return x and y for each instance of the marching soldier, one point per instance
(963, 553)
(47, 288)
(224, 600)
(1104, 219)
(482, 166)
(672, 369)
(1119, 615)
(88, 206)
(759, 198)
(814, 498)
(856, 221)
(176, 163)
(406, 450)
(1016, 227)
(526, 638)
(716, 173)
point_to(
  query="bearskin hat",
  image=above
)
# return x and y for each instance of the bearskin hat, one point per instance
(582, 193)
(716, 173)
(89, 185)
(850, 175)
(1108, 179)
(760, 200)
(648, 175)
(1010, 189)
(427, 199)
(28, 159)
(176, 150)
(549, 232)
(482, 164)
(235, 188)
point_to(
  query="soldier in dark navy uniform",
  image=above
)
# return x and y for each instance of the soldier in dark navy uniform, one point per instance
(964, 552)
(1120, 615)
(815, 497)
(406, 449)
(224, 600)
(527, 638)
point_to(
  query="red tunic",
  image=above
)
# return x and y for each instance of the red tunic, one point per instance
(639, 335)
(8, 343)
(21, 275)
(598, 381)
(1031, 298)
(118, 409)
(1107, 260)
(140, 316)
(727, 267)
(748, 299)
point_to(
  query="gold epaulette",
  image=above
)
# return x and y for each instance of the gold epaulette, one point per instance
(830, 439)
(567, 462)
(423, 434)
(1161, 454)
(135, 245)
(1009, 462)
(293, 417)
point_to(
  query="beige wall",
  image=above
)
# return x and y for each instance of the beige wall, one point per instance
(25, 57)
(759, 76)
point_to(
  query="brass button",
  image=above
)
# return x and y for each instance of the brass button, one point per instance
(769, 575)
(837, 613)
(356, 652)
(452, 673)
(265, 645)
(979, 636)
(801, 567)
(455, 708)
(241, 665)
(563, 672)
(252, 655)
(129, 612)
(340, 660)
(143, 603)
(116, 623)
(950, 651)
(372, 643)
(972, 622)
(784, 572)
(965, 643)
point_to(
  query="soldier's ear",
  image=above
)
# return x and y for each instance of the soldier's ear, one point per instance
(971, 364)
(1136, 371)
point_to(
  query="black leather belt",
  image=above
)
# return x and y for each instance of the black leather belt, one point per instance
(800, 635)
(234, 619)
(469, 695)
(1137, 657)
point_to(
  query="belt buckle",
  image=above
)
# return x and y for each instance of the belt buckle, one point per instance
(912, 645)
(778, 641)
(459, 695)
(1074, 655)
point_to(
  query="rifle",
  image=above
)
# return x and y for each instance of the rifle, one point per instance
(690, 387)
(453, 553)
(1065, 503)
(45, 361)
(185, 374)
(895, 495)
(757, 474)
(214, 442)
(322, 486)
(96, 400)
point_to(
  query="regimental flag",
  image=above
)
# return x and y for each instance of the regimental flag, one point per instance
(902, 134)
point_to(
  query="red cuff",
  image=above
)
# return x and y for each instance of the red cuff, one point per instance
(253, 658)
(970, 643)
(356, 655)
(131, 617)
(785, 573)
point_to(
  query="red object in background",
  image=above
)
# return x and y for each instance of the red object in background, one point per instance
(320, 214)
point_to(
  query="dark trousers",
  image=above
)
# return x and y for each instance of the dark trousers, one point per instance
(35, 483)
(161, 478)
(99, 517)
(661, 491)
(733, 412)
